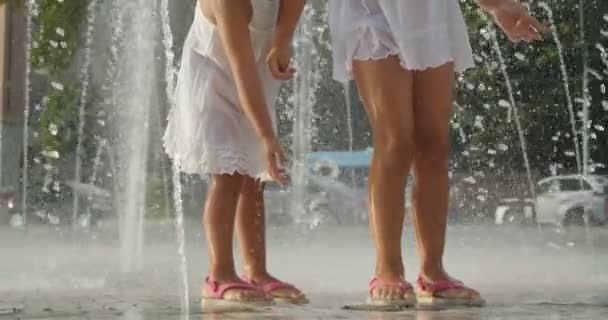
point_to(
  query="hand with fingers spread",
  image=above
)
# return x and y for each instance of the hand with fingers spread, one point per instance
(515, 20)
(275, 160)
(279, 61)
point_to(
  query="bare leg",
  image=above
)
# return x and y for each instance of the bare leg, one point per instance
(219, 221)
(251, 230)
(433, 94)
(386, 90)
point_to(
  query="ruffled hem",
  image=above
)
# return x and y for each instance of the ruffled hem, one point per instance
(214, 161)
(425, 50)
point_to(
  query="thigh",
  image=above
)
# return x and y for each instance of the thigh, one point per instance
(433, 99)
(386, 90)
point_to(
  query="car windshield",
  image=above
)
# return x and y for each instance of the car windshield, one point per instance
(600, 183)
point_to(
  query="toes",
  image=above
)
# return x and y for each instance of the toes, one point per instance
(395, 293)
(461, 294)
(387, 293)
(243, 295)
(287, 293)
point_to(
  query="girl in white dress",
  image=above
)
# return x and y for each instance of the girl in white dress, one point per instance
(403, 55)
(223, 124)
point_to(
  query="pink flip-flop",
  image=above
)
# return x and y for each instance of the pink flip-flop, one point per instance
(272, 286)
(214, 301)
(428, 294)
(403, 286)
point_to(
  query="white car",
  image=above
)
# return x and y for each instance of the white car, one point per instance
(572, 200)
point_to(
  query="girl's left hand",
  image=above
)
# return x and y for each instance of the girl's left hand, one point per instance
(513, 18)
(279, 62)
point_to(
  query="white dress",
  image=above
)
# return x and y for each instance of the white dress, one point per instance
(207, 130)
(423, 33)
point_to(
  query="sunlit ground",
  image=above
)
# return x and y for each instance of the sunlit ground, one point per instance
(524, 273)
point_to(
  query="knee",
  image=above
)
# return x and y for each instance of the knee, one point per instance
(395, 150)
(433, 154)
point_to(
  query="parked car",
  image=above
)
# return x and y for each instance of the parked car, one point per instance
(560, 200)
(572, 200)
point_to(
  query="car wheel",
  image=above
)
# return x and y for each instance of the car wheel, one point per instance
(513, 217)
(574, 217)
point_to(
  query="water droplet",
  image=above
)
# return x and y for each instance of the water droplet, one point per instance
(504, 103)
(53, 154)
(53, 129)
(57, 85)
(470, 180)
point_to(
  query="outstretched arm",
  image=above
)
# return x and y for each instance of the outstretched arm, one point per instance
(513, 18)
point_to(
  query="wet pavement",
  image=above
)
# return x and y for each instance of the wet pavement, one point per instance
(523, 272)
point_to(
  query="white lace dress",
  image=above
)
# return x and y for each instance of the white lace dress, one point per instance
(423, 33)
(207, 130)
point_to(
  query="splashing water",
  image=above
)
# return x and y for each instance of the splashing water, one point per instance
(514, 110)
(32, 10)
(134, 97)
(585, 90)
(170, 73)
(85, 79)
(304, 90)
(566, 81)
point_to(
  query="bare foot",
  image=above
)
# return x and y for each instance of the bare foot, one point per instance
(232, 290)
(391, 288)
(277, 289)
(460, 292)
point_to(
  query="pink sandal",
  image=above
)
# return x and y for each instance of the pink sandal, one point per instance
(213, 297)
(272, 286)
(403, 286)
(428, 294)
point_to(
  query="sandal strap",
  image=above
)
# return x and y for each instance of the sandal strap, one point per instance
(276, 285)
(218, 290)
(440, 286)
(403, 285)
(270, 286)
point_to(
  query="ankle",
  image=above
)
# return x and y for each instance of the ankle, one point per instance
(256, 274)
(222, 273)
(394, 271)
(433, 271)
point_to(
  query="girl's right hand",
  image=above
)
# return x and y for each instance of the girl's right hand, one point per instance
(275, 160)
(513, 18)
